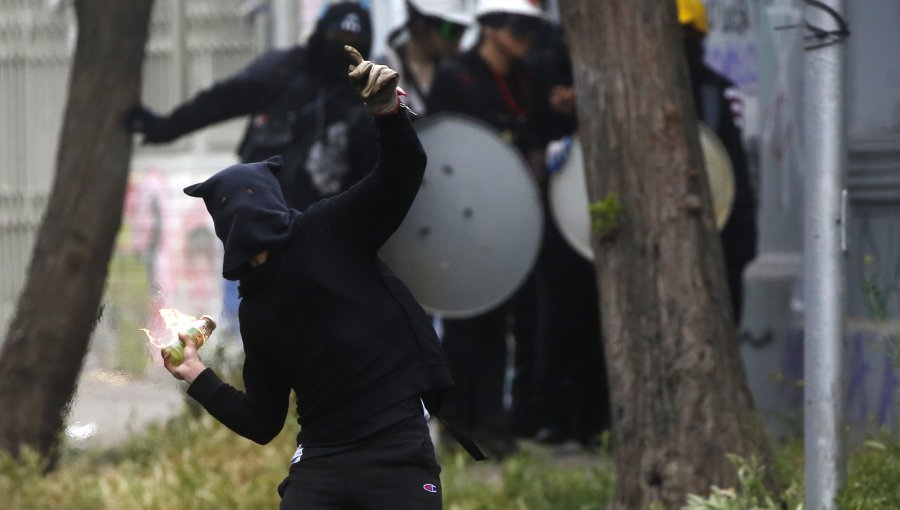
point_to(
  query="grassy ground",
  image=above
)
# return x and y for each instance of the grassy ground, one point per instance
(193, 463)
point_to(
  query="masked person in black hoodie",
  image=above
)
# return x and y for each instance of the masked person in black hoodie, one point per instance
(300, 105)
(323, 316)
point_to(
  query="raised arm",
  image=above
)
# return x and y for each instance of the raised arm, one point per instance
(237, 95)
(366, 215)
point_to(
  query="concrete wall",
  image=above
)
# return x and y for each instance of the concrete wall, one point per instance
(192, 44)
(773, 317)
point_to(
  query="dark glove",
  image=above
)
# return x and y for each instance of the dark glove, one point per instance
(142, 120)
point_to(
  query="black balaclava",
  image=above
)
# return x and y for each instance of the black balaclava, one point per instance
(249, 212)
(693, 49)
(328, 58)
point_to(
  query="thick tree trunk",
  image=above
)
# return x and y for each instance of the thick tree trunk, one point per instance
(680, 397)
(49, 333)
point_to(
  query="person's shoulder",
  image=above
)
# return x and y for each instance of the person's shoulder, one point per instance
(277, 61)
(303, 233)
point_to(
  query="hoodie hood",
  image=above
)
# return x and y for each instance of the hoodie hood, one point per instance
(248, 210)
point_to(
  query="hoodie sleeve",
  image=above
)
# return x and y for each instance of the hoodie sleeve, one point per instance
(257, 414)
(237, 95)
(366, 215)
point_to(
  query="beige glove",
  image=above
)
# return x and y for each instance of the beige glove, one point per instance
(376, 84)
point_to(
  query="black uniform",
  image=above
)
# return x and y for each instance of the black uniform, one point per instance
(569, 394)
(512, 103)
(324, 317)
(476, 347)
(740, 232)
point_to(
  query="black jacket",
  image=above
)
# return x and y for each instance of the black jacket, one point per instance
(321, 129)
(326, 318)
(514, 103)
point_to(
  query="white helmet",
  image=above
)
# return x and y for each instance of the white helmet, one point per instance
(451, 10)
(519, 7)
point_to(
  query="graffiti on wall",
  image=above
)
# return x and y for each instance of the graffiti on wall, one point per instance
(166, 256)
(872, 382)
(872, 390)
(782, 109)
(731, 46)
(173, 237)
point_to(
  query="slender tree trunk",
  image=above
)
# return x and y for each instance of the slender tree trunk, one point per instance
(49, 333)
(679, 393)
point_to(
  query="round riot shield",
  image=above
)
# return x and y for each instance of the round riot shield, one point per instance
(474, 230)
(719, 173)
(569, 196)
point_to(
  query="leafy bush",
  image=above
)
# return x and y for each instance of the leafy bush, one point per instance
(752, 493)
(873, 481)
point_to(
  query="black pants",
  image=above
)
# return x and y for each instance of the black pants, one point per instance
(476, 351)
(570, 368)
(394, 471)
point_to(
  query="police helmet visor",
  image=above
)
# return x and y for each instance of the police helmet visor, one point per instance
(447, 29)
(518, 25)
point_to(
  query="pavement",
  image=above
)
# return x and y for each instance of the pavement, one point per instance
(110, 405)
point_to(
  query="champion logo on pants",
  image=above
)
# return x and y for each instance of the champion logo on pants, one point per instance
(430, 487)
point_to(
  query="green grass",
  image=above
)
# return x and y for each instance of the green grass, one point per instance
(528, 481)
(127, 299)
(189, 464)
(194, 463)
(874, 477)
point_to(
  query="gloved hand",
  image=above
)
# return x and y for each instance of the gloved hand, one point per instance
(376, 84)
(141, 120)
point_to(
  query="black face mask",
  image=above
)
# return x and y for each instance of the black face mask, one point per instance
(339, 24)
(693, 49)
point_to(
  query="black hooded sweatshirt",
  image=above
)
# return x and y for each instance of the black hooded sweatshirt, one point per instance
(323, 316)
(301, 107)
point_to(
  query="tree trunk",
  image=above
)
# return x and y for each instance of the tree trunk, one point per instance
(679, 393)
(49, 333)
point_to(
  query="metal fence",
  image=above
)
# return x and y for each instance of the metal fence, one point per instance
(191, 45)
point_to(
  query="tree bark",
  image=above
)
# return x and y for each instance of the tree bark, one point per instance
(50, 330)
(679, 392)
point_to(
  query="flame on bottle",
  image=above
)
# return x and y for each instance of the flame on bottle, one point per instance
(174, 321)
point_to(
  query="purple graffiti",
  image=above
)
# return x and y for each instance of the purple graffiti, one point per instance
(859, 372)
(738, 60)
(887, 402)
(792, 367)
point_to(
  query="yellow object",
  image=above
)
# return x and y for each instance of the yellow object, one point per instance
(693, 13)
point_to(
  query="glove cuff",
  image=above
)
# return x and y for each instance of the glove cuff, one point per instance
(389, 108)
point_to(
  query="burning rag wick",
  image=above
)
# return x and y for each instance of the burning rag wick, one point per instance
(174, 320)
